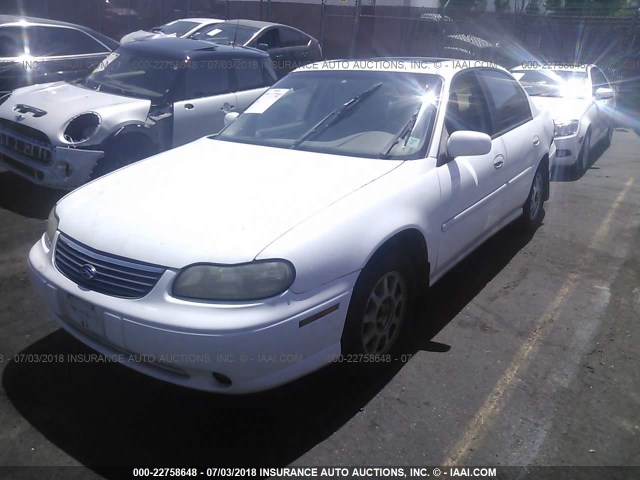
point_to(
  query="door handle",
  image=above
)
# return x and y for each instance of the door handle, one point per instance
(227, 107)
(536, 141)
(189, 106)
(498, 162)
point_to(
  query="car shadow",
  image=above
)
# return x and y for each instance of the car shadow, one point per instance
(569, 174)
(105, 415)
(25, 198)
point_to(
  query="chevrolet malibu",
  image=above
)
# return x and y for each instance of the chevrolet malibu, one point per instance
(582, 105)
(301, 232)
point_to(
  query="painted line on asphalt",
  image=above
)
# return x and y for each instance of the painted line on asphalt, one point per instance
(476, 428)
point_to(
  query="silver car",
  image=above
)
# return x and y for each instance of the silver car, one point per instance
(144, 98)
(183, 28)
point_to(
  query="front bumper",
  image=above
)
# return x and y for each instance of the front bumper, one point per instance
(568, 150)
(254, 346)
(69, 168)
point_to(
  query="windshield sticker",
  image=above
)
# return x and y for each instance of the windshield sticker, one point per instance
(265, 101)
(413, 142)
(214, 32)
(106, 62)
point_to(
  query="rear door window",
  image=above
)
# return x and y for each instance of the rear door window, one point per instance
(54, 41)
(507, 99)
(292, 38)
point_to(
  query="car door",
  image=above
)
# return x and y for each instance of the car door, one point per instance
(522, 137)
(270, 37)
(251, 77)
(472, 188)
(604, 107)
(296, 47)
(206, 97)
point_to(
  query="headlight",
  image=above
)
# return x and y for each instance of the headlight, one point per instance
(4, 98)
(564, 129)
(248, 281)
(52, 227)
(82, 128)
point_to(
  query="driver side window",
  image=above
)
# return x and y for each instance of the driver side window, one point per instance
(270, 37)
(206, 80)
(467, 108)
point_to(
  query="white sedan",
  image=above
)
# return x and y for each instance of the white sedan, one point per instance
(582, 105)
(303, 231)
(182, 28)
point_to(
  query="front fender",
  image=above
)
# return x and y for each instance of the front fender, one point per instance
(343, 237)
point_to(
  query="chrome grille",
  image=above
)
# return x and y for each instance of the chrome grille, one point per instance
(103, 272)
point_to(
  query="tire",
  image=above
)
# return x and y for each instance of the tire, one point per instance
(533, 211)
(380, 305)
(584, 158)
(122, 152)
(607, 139)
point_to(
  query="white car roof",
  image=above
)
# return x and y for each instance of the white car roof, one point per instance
(203, 21)
(446, 68)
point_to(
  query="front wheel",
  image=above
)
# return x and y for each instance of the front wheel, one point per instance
(533, 211)
(584, 158)
(379, 307)
(122, 152)
(609, 136)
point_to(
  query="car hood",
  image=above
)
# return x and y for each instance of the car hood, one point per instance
(61, 101)
(562, 108)
(210, 201)
(143, 35)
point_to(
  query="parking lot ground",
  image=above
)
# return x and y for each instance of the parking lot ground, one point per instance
(525, 354)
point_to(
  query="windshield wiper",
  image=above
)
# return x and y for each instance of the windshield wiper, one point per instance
(335, 115)
(404, 133)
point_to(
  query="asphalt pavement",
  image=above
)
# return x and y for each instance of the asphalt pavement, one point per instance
(525, 354)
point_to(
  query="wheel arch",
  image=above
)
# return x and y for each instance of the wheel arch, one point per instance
(412, 243)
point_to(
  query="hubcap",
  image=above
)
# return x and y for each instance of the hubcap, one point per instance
(383, 314)
(536, 196)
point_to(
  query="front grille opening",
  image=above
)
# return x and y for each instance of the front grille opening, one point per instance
(103, 272)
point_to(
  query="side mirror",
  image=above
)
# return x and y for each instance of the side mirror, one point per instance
(468, 144)
(604, 93)
(230, 117)
(263, 46)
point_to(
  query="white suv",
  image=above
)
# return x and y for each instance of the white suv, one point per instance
(304, 230)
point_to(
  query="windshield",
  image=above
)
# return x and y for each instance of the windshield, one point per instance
(134, 75)
(356, 113)
(553, 83)
(178, 28)
(226, 33)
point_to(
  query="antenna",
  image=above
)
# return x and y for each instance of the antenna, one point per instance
(235, 34)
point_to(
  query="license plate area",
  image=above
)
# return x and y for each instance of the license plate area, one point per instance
(83, 315)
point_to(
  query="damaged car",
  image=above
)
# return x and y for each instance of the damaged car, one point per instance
(144, 98)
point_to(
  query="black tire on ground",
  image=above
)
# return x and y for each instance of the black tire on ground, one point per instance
(533, 211)
(609, 136)
(584, 158)
(121, 152)
(381, 303)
